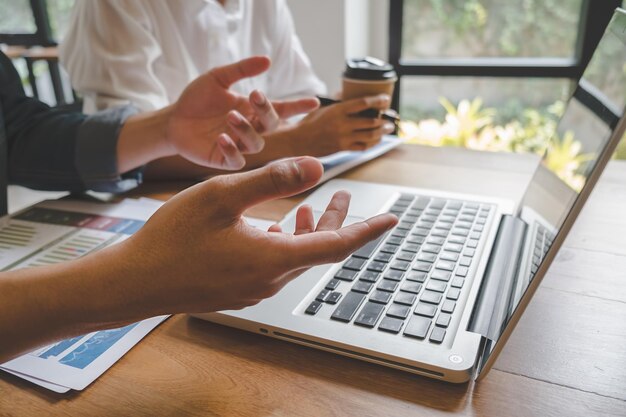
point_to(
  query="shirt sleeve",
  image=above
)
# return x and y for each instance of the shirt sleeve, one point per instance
(54, 149)
(291, 74)
(109, 53)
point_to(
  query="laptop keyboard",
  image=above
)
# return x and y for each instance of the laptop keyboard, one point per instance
(543, 241)
(410, 279)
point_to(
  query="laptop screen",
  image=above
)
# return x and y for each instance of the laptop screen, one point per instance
(582, 136)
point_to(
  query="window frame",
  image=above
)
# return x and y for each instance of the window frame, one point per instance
(592, 23)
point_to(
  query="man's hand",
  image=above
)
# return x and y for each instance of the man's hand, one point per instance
(335, 128)
(213, 127)
(197, 254)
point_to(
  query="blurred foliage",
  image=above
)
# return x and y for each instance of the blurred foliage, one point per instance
(472, 126)
(491, 28)
(17, 17)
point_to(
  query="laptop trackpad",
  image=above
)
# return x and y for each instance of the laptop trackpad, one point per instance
(289, 225)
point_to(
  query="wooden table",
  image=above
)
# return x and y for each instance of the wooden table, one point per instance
(566, 358)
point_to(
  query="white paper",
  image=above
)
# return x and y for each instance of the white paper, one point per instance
(81, 228)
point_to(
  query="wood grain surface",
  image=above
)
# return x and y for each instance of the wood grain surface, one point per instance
(566, 358)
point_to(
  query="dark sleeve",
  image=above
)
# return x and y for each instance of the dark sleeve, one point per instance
(53, 149)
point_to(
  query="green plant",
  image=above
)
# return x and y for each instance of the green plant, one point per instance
(472, 126)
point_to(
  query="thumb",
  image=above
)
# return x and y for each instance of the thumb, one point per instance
(279, 179)
(249, 67)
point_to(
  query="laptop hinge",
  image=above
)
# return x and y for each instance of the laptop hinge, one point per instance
(496, 291)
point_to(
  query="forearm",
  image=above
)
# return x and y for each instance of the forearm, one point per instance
(143, 139)
(42, 305)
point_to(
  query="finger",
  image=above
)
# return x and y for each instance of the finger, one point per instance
(286, 109)
(275, 228)
(249, 67)
(364, 123)
(305, 223)
(356, 105)
(372, 135)
(333, 246)
(335, 213)
(233, 159)
(249, 140)
(267, 116)
(279, 179)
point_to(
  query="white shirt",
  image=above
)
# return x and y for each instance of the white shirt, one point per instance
(147, 51)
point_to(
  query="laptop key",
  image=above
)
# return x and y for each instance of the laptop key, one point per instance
(376, 266)
(469, 252)
(448, 306)
(381, 297)
(393, 240)
(449, 256)
(362, 287)
(346, 275)
(389, 248)
(437, 286)
(453, 294)
(460, 232)
(465, 261)
(400, 265)
(369, 276)
(412, 287)
(355, 264)
(437, 335)
(313, 308)
(443, 225)
(346, 310)
(431, 297)
(321, 297)
(472, 243)
(422, 266)
(398, 311)
(405, 256)
(426, 310)
(421, 203)
(411, 247)
(453, 247)
(387, 285)
(417, 240)
(421, 231)
(445, 265)
(427, 257)
(405, 298)
(417, 327)
(400, 233)
(333, 297)
(443, 320)
(394, 275)
(461, 271)
(333, 284)
(391, 325)
(440, 232)
(457, 282)
(369, 314)
(441, 275)
(435, 240)
(457, 239)
(416, 276)
(430, 248)
(383, 257)
(368, 249)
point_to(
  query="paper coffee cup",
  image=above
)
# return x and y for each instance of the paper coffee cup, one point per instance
(368, 77)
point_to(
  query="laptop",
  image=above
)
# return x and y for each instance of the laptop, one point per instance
(440, 294)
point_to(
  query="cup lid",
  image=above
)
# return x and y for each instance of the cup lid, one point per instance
(369, 68)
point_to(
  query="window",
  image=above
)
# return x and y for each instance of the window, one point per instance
(490, 74)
